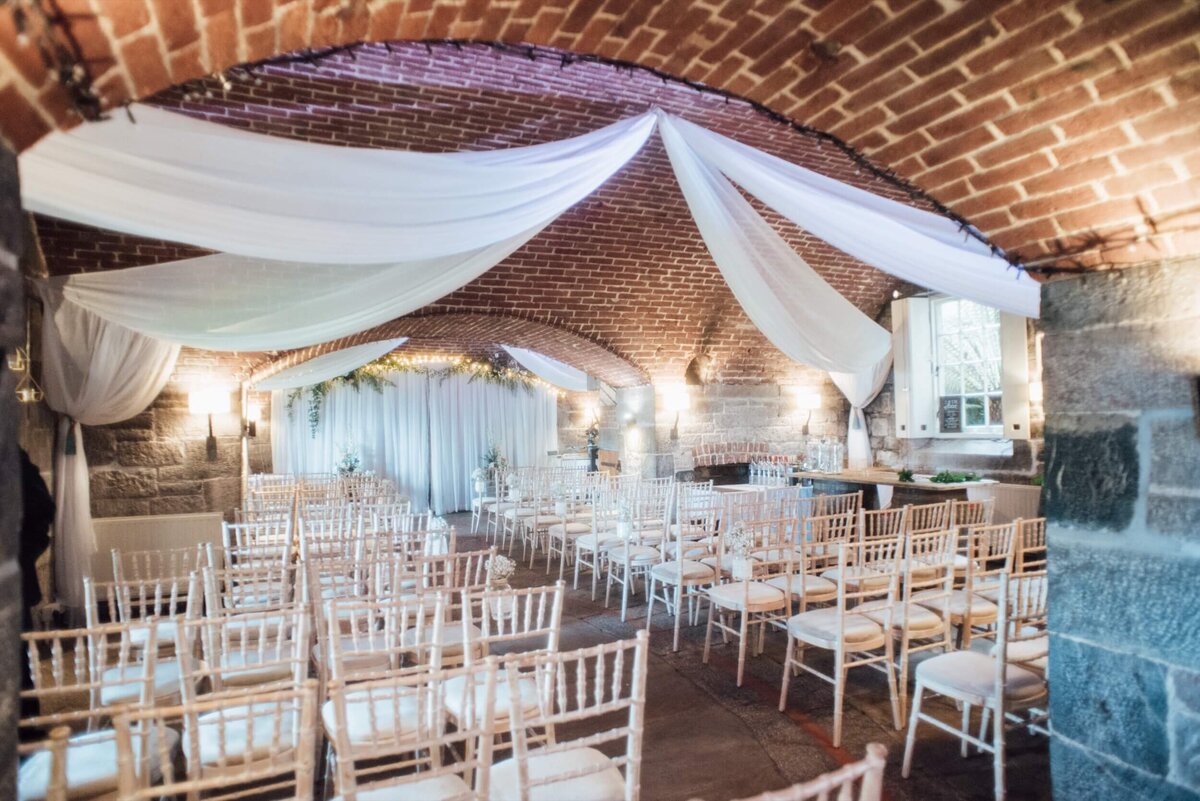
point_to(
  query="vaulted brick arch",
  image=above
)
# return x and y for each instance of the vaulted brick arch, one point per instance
(1066, 130)
(476, 334)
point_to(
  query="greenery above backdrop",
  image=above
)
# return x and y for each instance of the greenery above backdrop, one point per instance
(494, 371)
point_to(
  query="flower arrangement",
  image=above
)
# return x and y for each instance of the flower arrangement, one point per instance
(739, 543)
(493, 458)
(350, 461)
(499, 570)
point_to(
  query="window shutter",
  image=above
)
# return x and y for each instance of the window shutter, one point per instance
(912, 346)
(1014, 382)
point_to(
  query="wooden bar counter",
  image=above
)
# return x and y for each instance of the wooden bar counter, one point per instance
(918, 491)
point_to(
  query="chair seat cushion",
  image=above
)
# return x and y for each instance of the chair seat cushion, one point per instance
(561, 530)
(820, 627)
(672, 572)
(921, 621)
(635, 554)
(602, 782)
(814, 588)
(248, 732)
(446, 787)
(981, 609)
(588, 542)
(1032, 652)
(164, 634)
(91, 765)
(747, 596)
(858, 576)
(166, 682)
(969, 676)
(244, 668)
(358, 654)
(375, 719)
(457, 704)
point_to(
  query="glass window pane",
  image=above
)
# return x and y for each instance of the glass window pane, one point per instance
(992, 369)
(974, 378)
(973, 347)
(951, 380)
(995, 410)
(973, 411)
(949, 350)
(948, 316)
(991, 316)
(971, 315)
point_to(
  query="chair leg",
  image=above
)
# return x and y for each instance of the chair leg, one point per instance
(607, 582)
(650, 601)
(743, 636)
(913, 720)
(998, 753)
(575, 585)
(678, 615)
(902, 679)
(627, 574)
(595, 573)
(966, 727)
(787, 672)
(985, 719)
(708, 633)
(839, 696)
(890, 666)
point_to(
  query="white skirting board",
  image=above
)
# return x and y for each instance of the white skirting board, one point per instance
(150, 532)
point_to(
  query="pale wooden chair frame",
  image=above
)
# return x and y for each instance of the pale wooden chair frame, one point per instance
(930, 517)
(681, 576)
(879, 553)
(866, 773)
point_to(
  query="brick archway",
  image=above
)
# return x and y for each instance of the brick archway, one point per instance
(475, 333)
(1066, 130)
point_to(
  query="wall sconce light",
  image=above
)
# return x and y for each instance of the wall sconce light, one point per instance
(209, 400)
(253, 417)
(676, 399)
(28, 390)
(1037, 392)
(807, 400)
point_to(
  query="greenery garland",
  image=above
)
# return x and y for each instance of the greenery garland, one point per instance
(494, 371)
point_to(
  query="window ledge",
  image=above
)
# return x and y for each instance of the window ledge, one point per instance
(962, 445)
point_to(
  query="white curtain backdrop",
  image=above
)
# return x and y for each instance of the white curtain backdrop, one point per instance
(95, 373)
(919, 246)
(550, 370)
(428, 435)
(390, 430)
(330, 365)
(467, 417)
(169, 176)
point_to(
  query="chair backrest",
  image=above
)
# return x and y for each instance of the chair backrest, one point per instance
(973, 513)
(244, 589)
(1030, 544)
(928, 569)
(857, 781)
(408, 730)
(653, 502)
(522, 620)
(989, 551)
(881, 557)
(697, 523)
(275, 729)
(160, 564)
(823, 534)
(136, 600)
(930, 517)
(465, 570)
(1022, 618)
(93, 667)
(593, 697)
(272, 535)
(247, 651)
(882, 523)
(694, 494)
(376, 638)
(843, 502)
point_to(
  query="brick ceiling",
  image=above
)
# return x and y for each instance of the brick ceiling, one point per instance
(1067, 131)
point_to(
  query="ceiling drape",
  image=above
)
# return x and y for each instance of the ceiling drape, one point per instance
(330, 365)
(552, 371)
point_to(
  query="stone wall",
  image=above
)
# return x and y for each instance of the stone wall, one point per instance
(1122, 356)
(12, 334)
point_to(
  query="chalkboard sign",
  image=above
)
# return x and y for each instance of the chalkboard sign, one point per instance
(950, 414)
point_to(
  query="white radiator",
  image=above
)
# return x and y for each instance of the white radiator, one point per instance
(1012, 500)
(149, 533)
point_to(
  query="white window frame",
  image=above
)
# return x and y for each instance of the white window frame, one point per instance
(916, 380)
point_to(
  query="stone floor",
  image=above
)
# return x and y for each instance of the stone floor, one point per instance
(706, 738)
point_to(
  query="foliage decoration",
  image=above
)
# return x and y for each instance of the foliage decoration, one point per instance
(904, 475)
(494, 371)
(948, 477)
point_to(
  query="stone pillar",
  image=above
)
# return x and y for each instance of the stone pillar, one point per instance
(12, 333)
(1121, 357)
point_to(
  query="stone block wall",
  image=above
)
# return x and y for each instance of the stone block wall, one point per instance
(1121, 358)
(12, 334)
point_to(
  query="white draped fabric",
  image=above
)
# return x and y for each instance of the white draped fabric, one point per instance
(552, 371)
(426, 434)
(795, 308)
(860, 389)
(95, 373)
(330, 365)
(170, 176)
(915, 245)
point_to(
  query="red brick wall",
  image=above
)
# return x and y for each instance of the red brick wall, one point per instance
(625, 268)
(1059, 126)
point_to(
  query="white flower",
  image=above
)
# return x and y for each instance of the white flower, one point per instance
(739, 541)
(500, 569)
